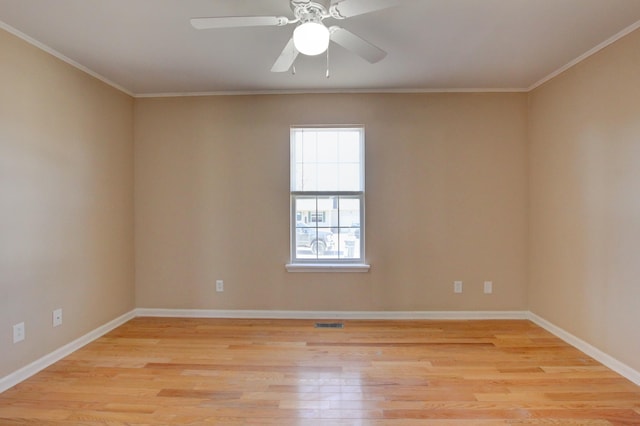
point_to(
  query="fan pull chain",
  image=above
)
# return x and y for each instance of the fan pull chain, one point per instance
(293, 70)
(328, 75)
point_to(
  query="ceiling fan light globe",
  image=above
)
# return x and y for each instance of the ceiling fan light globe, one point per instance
(311, 38)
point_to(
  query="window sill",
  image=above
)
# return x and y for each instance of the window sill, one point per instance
(327, 267)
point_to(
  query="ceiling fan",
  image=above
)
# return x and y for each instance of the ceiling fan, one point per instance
(311, 36)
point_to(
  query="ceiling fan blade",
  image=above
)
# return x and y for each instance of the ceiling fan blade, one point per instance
(357, 45)
(286, 58)
(238, 21)
(348, 8)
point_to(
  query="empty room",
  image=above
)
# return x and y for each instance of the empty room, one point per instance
(317, 212)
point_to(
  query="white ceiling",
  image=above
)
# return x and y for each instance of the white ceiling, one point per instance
(148, 46)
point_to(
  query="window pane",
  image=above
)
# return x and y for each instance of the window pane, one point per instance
(349, 212)
(305, 232)
(327, 147)
(309, 147)
(298, 178)
(324, 246)
(349, 244)
(304, 206)
(298, 147)
(349, 177)
(349, 231)
(327, 177)
(327, 209)
(349, 147)
(309, 177)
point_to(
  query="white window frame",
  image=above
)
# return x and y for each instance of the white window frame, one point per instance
(327, 265)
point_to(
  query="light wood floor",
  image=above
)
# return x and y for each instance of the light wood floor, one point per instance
(159, 371)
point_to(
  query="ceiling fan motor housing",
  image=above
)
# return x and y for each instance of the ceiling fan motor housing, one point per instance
(310, 10)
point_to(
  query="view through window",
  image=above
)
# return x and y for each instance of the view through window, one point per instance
(327, 195)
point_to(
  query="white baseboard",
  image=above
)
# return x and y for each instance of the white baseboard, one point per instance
(595, 353)
(55, 356)
(346, 315)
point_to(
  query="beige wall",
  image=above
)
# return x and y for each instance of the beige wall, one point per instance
(446, 198)
(66, 202)
(585, 200)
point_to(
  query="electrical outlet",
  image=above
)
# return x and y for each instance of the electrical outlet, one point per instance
(488, 287)
(457, 286)
(57, 317)
(18, 332)
(219, 285)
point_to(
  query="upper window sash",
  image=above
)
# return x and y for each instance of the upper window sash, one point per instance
(327, 160)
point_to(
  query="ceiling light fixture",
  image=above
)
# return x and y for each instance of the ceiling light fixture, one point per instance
(311, 38)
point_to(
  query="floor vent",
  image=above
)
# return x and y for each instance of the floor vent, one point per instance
(329, 325)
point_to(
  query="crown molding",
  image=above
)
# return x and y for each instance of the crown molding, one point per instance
(631, 28)
(56, 54)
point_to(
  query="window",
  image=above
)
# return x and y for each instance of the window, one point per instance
(327, 196)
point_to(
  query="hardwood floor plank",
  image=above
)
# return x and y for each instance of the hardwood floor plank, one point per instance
(181, 371)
